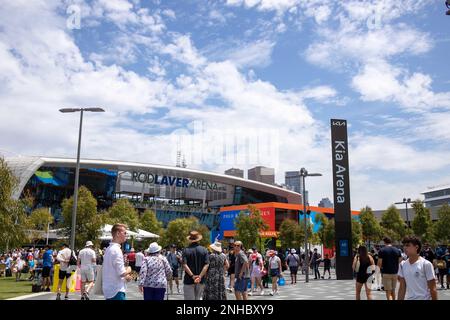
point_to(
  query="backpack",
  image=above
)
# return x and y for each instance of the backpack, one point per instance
(441, 264)
(73, 260)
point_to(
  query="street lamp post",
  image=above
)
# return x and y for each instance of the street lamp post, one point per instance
(304, 173)
(406, 201)
(77, 170)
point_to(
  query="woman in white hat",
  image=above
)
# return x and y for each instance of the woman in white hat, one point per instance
(215, 278)
(154, 273)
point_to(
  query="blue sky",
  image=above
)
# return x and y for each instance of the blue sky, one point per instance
(235, 83)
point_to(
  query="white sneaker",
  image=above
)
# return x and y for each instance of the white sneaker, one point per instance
(262, 292)
(250, 293)
(178, 290)
(271, 293)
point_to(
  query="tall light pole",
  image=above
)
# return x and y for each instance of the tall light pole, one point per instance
(304, 173)
(77, 170)
(406, 201)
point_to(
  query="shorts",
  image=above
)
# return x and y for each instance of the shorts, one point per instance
(46, 272)
(362, 278)
(87, 274)
(389, 281)
(63, 274)
(138, 269)
(293, 270)
(119, 296)
(231, 270)
(241, 285)
(274, 272)
(175, 273)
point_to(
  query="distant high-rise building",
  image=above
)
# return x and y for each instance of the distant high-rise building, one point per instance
(293, 180)
(235, 172)
(262, 174)
(325, 203)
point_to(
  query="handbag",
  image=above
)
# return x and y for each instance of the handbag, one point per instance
(357, 264)
(72, 260)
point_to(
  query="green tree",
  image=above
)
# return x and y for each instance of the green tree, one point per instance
(356, 233)
(40, 219)
(291, 234)
(371, 229)
(421, 223)
(392, 223)
(178, 230)
(123, 212)
(150, 223)
(323, 221)
(248, 226)
(442, 226)
(328, 239)
(88, 222)
(13, 218)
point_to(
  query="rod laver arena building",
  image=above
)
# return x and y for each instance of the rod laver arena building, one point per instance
(172, 192)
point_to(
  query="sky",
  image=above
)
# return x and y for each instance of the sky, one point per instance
(235, 83)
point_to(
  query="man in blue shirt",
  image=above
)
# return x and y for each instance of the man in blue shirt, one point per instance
(47, 265)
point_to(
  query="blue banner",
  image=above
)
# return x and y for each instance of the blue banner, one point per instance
(227, 220)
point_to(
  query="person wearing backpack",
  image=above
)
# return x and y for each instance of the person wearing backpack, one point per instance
(67, 260)
(442, 270)
(293, 261)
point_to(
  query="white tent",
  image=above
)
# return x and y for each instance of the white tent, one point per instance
(146, 235)
(106, 233)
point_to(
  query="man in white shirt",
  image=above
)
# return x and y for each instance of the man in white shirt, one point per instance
(87, 264)
(114, 272)
(65, 270)
(139, 260)
(416, 275)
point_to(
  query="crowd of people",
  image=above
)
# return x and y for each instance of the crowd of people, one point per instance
(202, 272)
(418, 270)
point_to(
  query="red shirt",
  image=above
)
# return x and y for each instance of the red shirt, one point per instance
(131, 257)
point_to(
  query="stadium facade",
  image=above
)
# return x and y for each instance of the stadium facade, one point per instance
(172, 192)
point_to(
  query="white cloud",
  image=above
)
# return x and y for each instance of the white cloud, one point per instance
(280, 6)
(383, 153)
(319, 93)
(256, 54)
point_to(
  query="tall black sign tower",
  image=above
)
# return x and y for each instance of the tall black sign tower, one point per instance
(341, 188)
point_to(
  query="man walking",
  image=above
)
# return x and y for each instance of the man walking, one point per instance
(315, 262)
(87, 263)
(47, 264)
(389, 258)
(174, 261)
(241, 271)
(139, 261)
(416, 275)
(114, 273)
(65, 270)
(195, 264)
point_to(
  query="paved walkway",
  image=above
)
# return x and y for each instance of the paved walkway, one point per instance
(314, 290)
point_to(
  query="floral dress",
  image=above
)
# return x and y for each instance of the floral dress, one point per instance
(215, 278)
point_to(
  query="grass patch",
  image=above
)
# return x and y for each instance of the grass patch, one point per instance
(9, 288)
